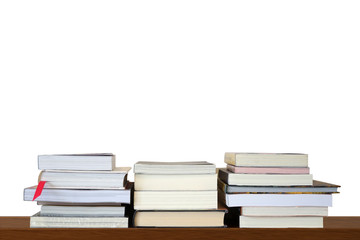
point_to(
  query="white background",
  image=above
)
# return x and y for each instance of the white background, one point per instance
(179, 81)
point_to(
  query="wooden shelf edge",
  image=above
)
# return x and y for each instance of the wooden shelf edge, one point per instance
(335, 228)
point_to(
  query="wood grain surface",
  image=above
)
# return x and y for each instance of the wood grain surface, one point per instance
(335, 228)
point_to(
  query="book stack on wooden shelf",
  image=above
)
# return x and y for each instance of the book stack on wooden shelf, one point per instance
(80, 191)
(274, 190)
(176, 194)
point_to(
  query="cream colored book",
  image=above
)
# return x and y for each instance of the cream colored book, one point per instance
(284, 211)
(206, 218)
(175, 200)
(199, 167)
(267, 159)
(182, 182)
(281, 222)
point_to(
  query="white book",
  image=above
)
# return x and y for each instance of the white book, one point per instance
(281, 222)
(267, 159)
(284, 211)
(82, 211)
(201, 167)
(281, 200)
(244, 179)
(79, 195)
(37, 221)
(115, 179)
(96, 161)
(182, 182)
(175, 200)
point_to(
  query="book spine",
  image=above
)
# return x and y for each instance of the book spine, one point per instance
(224, 176)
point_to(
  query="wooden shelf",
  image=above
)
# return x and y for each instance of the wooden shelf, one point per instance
(337, 228)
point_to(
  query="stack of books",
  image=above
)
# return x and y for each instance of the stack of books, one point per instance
(274, 190)
(176, 194)
(80, 191)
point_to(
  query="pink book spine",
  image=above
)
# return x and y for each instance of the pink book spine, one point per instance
(268, 170)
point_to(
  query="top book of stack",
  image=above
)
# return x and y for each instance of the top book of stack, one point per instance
(82, 162)
(267, 159)
(201, 167)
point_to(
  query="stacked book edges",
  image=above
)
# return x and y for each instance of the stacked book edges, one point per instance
(81, 191)
(274, 190)
(176, 194)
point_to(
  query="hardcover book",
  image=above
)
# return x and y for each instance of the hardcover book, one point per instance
(273, 200)
(316, 187)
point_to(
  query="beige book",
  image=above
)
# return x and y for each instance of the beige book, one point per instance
(182, 182)
(267, 159)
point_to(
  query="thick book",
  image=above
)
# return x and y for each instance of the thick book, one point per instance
(204, 218)
(115, 179)
(284, 211)
(265, 179)
(201, 167)
(267, 159)
(281, 222)
(86, 196)
(273, 200)
(268, 170)
(175, 200)
(316, 187)
(94, 161)
(184, 182)
(38, 221)
(82, 211)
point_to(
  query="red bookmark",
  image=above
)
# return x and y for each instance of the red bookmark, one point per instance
(39, 189)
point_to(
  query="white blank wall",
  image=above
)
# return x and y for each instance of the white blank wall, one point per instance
(179, 81)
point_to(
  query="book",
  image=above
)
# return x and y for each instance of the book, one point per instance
(115, 179)
(268, 170)
(265, 179)
(38, 221)
(175, 200)
(267, 159)
(176, 182)
(281, 200)
(316, 187)
(284, 211)
(82, 211)
(112, 196)
(281, 222)
(204, 218)
(201, 167)
(95, 161)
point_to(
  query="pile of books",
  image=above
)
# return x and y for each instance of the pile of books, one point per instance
(176, 194)
(80, 191)
(274, 190)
